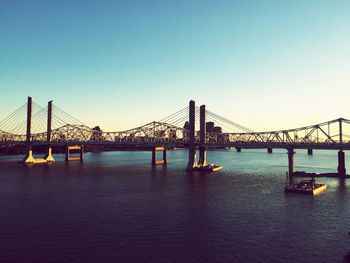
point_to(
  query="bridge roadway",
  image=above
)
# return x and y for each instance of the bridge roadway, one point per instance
(158, 136)
(142, 145)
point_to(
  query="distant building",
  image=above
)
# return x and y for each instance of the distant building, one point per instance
(217, 129)
(187, 125)
(96, 133)
(209, 126)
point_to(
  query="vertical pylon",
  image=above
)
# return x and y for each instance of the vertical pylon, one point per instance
(49, 120)
(202, 149)
(191, 143)
(49, 157)
(29, 151)
(29, 121)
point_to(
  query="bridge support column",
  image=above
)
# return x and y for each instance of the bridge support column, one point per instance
(191, 143)
(202, 149)
(28, 159)
(341, 163)
(79, 148)
(154, 155)
(290, 165)
(48, 157)
(202, 156)
(238, 149)
(310, 152)
(269, 150)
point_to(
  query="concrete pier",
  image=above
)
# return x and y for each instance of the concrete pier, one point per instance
(269, 150)
(341, 163)
(238, 149)
(290, 165)
(48, 157)
(154, 155)
(29, 158)
(309, 151)
(76, 148)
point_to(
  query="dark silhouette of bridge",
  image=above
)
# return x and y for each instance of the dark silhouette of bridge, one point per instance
(32, 125)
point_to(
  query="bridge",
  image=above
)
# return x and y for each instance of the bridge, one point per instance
(33, 126)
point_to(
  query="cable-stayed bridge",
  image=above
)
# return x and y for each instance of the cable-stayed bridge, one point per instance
(192, 127)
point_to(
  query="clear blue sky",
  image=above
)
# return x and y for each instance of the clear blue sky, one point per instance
(119, 64)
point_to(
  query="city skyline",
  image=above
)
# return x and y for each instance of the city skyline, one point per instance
(266, 65)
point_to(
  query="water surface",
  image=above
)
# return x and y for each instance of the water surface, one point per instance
(115, 207)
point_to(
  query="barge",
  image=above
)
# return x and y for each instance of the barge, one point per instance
(331, 175)
(306, 187)
(207, 168)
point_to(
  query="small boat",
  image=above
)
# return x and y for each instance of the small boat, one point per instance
(207, 168)
(306, 187)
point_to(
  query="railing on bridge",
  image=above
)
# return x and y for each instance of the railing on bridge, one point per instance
(170, 130)
(330, 132)
(32, 125)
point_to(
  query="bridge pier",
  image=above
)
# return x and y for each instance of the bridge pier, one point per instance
(238, 149)
(309, 151)
(269, 150)
(48, 157)
(290, 165)
(202, 156)
(79, 148)
(341, 164)
(154, 155)
(191, 143)
(29, 158)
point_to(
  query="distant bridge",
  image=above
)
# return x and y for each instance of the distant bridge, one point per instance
(32, 125)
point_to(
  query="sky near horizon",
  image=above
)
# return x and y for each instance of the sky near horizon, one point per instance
(120, 64)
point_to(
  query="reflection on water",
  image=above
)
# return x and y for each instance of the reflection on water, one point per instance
(115, 207)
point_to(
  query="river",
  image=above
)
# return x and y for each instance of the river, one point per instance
(114, 207)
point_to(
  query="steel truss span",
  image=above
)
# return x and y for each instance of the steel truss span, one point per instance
(333, 134)
(151, 133)
(171, 131)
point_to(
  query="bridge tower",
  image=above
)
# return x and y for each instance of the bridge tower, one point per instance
(202, 162)
(29, 158)
(29, 149)
(202, 148)
(48, 156)
(191, 137)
